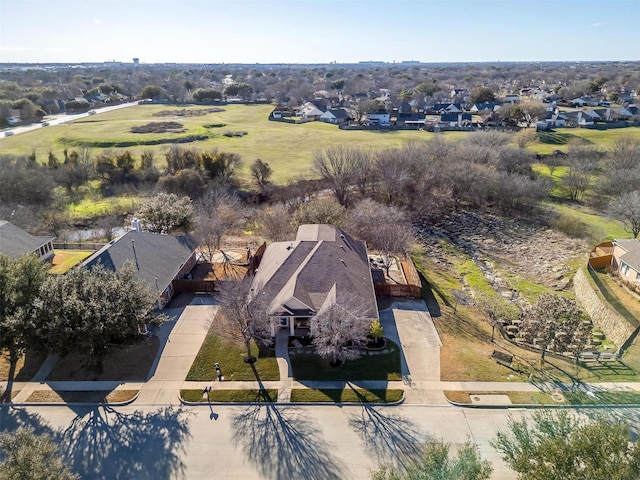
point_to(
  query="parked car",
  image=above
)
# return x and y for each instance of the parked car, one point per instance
(92, 112)
(44, 124)
(8, 133)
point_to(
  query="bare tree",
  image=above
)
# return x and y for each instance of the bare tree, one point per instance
(274, 223)
(217, 212)
(627, 210)
(243, 317)
(339, 330)
(385, 228)
(338, 165)
(320, 210)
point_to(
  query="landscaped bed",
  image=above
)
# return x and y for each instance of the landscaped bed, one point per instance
(231, 396)
(383, 365)
(559, 398)
(94, 396)
(346, 395)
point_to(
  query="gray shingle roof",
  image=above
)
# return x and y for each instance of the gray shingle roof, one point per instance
(156, 256)
(15, 242)
(322, 259)
(632, 257)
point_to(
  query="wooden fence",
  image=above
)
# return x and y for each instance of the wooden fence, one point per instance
(94, 247)
(413, 287)
(193, 286)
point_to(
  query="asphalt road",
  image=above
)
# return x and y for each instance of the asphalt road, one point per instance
(245, 442)
(62, 118)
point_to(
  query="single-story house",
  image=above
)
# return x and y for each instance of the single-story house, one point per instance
(15, 242)
(336, 116)
(626, 258)
(310, 110)
(322, 266)
(159, 259)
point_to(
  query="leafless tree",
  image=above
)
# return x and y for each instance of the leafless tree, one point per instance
(320, 210)
(339, 165)
(243, 317)
(385, 228)
(339, 329)
(627, 210)
(216, 213)
(274, 223)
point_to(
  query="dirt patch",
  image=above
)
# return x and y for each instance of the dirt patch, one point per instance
(26, 368)
(159, 127)
(128, 363)
(95, 396)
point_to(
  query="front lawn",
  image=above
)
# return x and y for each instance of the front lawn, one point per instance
(231, 396)
(385, 366)
(231, 357)
(346, 395)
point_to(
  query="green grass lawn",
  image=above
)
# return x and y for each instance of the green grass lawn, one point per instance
(559, 138)
(309, 366)
(599, 228)
(231, 356)
(288, 148)
(223, 396)
(346, 395)
(64, 260)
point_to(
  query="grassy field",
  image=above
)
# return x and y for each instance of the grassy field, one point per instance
(288, 148)
(559, 139)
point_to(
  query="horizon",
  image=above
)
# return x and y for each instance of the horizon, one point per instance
(318, 32)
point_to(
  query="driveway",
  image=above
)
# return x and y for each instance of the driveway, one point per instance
(409, 324)
(180, 338)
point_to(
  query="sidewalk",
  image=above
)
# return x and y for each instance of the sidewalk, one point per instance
(182, 336)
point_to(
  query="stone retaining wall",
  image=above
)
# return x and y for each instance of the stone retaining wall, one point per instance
(615, 327)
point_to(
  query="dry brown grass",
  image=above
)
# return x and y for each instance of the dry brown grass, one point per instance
(95, 396)
(128, 363)
(517, 398)
(26, 368)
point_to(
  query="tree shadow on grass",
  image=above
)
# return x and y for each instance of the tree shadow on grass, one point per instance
(284, 446)
(392, 438)
(102, 443)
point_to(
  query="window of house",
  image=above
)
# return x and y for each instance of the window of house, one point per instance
(624, 269)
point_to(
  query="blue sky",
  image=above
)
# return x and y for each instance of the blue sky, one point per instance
(318, 31)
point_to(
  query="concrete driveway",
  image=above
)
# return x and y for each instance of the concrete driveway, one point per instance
(409, 324)
(180, 338)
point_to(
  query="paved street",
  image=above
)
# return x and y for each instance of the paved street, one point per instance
(158, 437)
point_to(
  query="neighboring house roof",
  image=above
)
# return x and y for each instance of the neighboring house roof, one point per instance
(337, 113)
(632, 255)
(324, 264)
(15, 242)
(156, 256)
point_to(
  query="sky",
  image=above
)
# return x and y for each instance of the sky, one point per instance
(318, 31)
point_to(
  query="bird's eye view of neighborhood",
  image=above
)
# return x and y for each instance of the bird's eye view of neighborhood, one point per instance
(320, 240)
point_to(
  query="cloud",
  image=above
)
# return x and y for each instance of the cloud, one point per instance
(595, 25)
(97, 21)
